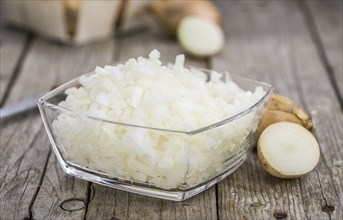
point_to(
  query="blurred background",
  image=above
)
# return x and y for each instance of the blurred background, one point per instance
(294, 45)
(49, 42)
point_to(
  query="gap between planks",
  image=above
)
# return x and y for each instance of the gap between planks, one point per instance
(92, 190)
(115, 57)
(40, 184)
(290, 70)
(18, 67)
(318, 42)
(209, 65)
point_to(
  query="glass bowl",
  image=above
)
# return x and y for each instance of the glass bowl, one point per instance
(187, 162)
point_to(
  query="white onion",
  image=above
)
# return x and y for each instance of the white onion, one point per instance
(144, 92)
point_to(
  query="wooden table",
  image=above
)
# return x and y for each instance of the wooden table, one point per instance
(295, 46)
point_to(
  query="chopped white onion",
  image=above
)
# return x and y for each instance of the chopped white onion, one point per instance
(155, 54)
(144, 92)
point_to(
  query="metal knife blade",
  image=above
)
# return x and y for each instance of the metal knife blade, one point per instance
(18, 108)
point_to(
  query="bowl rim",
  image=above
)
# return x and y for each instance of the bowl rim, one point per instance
(43, 102)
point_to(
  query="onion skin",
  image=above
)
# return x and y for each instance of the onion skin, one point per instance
(273, 116)
(282, 108)
(285, 104)
(169, 13)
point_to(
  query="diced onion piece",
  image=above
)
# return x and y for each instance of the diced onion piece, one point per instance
(180, 60)
(155, 54)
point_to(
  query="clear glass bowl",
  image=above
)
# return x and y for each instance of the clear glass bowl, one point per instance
(200, 158)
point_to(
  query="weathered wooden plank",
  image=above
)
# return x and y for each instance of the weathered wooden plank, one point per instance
(24, 144)
(22, 157)
(269, 41)
(107, 203)
(11, 48)
(22, 161)
(328, 21)
(265, 43)
(61, 196)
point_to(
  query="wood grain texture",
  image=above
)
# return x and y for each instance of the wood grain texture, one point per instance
(24, 145)
(328, 21)
(23, 158)
(23, 153)
(11, 48)
(107, 203)
(269, 43)
(61, 196)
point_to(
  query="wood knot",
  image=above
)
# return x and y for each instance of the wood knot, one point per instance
(256, 204)
(280, 215)
(72, 205)
(114, 218)
(328, 208)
